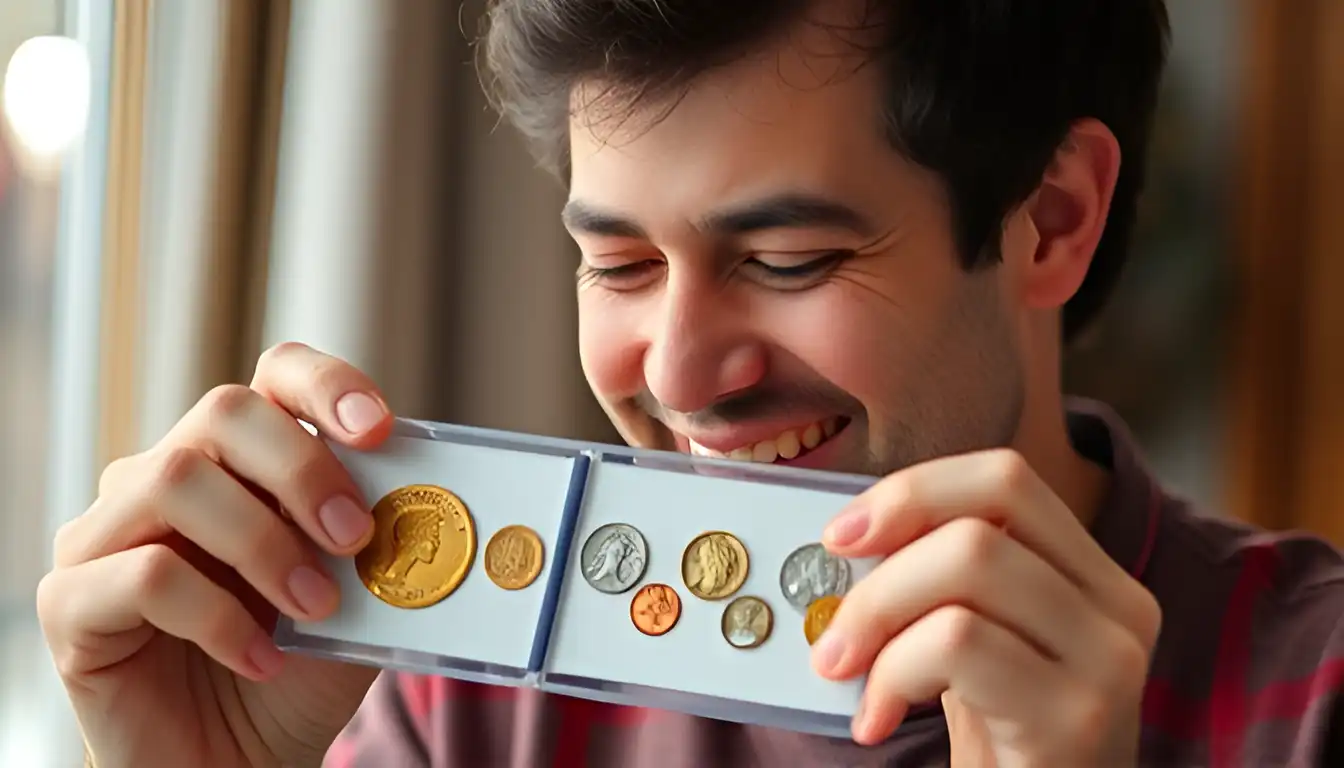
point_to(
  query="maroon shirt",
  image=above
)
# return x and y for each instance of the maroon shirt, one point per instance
(1248, 670)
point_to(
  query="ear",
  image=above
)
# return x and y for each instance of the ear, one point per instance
(1068, 212)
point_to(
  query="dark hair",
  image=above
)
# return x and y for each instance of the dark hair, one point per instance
(981, 92)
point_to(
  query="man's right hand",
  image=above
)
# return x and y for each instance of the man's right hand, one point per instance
(159, 609)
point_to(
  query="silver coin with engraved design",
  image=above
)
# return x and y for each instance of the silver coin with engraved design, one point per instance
(810, 572)
(614, 558)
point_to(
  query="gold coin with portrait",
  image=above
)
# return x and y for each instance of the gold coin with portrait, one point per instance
(714, 565)
(513, 557)
(818, 618)
(423, 545)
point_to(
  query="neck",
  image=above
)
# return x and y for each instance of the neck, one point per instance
(1043, 439)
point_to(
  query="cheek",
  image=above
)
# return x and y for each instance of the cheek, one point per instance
(846, 335)
(610, 350)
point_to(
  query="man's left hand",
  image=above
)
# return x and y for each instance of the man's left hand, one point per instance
(992, 596)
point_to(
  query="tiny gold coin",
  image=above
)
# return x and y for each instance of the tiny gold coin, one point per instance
(819, 614)
(655, 608)
(423, 545)
(747, 622)
(714, 565)
(513, 557)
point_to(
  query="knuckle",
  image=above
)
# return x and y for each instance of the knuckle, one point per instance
(898, 492)
(158, 568)
(227, 401)
(1147, 617)
(1089, 713)
(175, 466)
(114, 474)
(977, 543)
(63, 543)
(276, 354)
(48, 599)
(960, 629)
(53, 620)
(1010, 470)
(1129, 662)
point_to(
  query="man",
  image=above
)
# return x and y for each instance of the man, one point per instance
(850, 235)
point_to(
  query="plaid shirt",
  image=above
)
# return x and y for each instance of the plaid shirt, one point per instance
(1248, 671)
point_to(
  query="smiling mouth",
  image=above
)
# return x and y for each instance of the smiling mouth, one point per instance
(787, 446)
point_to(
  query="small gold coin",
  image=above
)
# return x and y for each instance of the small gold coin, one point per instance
(513, 557)
(747, 622)
(423, 545)
(714, 565)
(819, 614)
(655, 608)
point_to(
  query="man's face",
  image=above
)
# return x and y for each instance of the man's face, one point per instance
(764, 277)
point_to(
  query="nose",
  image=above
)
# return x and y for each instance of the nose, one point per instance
(701, 348)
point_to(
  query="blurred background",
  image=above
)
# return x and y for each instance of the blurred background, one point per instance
(184, 183)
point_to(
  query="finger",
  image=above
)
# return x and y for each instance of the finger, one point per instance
(205, 504)
(262, 444)
(987, 667)
(100, 613)
(972, 563)
(329, 393)
(1001, 488)
(118, 474)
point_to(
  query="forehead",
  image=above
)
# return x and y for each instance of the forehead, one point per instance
(800, 112)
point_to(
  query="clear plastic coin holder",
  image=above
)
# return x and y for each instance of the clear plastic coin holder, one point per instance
(563, 634)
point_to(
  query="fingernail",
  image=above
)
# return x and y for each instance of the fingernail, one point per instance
(359, 413)
(828, 651)
(847, 528)
(265, 657)
(344, 521)
(313, 592)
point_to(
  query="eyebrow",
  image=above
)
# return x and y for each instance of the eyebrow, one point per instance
(783, 211)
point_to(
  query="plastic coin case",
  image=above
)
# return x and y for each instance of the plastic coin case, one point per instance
(561, 634)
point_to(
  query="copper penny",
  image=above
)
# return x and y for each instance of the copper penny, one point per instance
(655, 609)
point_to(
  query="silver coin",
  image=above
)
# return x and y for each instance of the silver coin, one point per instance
(810, 572)
(614, 557)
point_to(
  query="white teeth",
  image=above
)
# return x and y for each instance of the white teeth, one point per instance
(788, 445)
(764, 452)
(811, 436)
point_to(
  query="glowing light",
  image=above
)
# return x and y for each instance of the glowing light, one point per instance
(46, 96)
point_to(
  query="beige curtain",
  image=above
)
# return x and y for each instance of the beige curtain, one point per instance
(328, 171)
(1287, 416)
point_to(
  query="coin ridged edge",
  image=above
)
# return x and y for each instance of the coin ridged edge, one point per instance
(746, 565)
